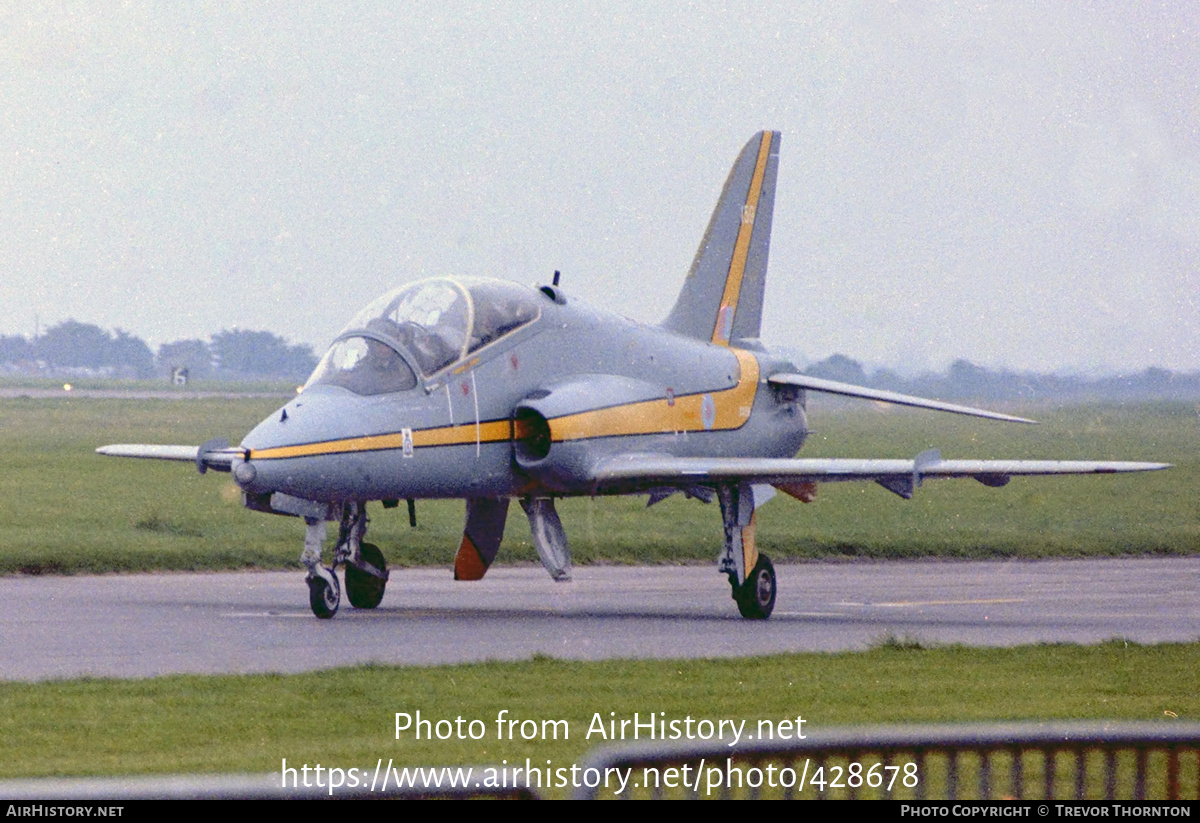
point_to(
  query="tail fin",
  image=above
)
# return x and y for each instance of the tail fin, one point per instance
(722, 297)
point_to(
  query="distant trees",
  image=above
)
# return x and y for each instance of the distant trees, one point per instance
(76, 345)
(15, 349)
(964, 380)
(261, 354)
(839, 367)
(71, 346)
(131, 352)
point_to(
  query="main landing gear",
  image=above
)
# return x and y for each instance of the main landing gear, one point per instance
(756, 597)
(751, 575)
(366, 570)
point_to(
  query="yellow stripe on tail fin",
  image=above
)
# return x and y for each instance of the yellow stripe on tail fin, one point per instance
(721, 299)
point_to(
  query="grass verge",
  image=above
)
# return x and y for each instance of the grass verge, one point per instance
(67, 510)
(346, 717)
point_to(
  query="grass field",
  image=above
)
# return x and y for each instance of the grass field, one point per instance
(67, 510)
(347, 717)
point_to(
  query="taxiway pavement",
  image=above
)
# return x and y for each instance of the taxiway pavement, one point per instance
(150, 624)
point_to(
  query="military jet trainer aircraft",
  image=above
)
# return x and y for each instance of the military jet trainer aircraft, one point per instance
(488, 391)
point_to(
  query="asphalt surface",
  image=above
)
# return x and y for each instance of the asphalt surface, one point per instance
(152, 624)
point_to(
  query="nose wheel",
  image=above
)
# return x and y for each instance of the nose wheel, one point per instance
(366, 581)
(324, 594)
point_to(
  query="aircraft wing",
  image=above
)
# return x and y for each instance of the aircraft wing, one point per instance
(649, 471)
(803, 381)
(215, 454)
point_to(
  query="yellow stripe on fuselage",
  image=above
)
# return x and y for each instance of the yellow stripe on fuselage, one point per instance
(737, 266)
(490, 432)
(732, 409)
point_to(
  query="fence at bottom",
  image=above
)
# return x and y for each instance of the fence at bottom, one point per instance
(1029, 761)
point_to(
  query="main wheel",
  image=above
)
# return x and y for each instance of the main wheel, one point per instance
(365, 590)
(756, 597)
(322, 597)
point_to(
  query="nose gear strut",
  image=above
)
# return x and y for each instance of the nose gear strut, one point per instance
(366, 570)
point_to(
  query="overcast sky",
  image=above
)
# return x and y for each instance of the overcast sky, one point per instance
(1017, 184)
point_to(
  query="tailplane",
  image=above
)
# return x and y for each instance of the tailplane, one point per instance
(722, 298)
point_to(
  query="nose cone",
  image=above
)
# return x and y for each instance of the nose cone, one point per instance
(295, 423)
(286, 449)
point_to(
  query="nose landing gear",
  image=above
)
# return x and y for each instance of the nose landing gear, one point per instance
(366, 570)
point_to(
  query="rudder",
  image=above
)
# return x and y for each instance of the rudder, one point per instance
(721, 299)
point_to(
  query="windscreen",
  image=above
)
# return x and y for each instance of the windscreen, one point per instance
(364, 366)
(438, 322)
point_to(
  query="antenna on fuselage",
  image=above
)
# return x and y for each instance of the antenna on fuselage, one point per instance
(557, 273)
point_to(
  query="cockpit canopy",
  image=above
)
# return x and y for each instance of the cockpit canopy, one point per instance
(433, 322)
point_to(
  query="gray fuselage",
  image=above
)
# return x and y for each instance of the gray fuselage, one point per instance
(529, 414)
